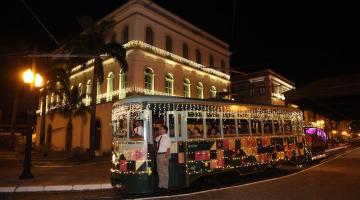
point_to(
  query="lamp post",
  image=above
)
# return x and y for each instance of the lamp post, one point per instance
(31, 81)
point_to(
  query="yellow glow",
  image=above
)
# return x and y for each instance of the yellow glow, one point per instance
(234, 108)
(334, 132)
(322, 122)
(28, 76)
(344, 133)
(38, 80)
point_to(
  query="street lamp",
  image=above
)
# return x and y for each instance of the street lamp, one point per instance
(31, 81)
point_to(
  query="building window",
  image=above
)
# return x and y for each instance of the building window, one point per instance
(168, 44)
(211, 61)
(149, 36)
(122, 84)
(109, 88)
(125, 34)
(52, 99)
(187, 92)
(149, 81)
(80, 93)
(98, 92)
(185, 51)
(169, 84)
(198, 56)
(222, 65)
(200, 90)
(88, 92)
(213, 91)
(262, 91)
(252, 91)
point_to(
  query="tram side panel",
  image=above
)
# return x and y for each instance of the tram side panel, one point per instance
(244, 155)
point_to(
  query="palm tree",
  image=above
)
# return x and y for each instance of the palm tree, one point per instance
(59, 83)
(93, 42)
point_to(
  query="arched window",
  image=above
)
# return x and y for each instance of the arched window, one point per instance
(125, 35)
(88, 92)
(149, 36)
(222, 65)
(98, 92)
(52, 99)
(185, 51)
(213, 91)
(200, 90)
(169, 84)
(80, 88)
(198, 56)
(211, 61)
(168, 44)
(187, 92)
(109, 88)
(149, 81)
(122, 84)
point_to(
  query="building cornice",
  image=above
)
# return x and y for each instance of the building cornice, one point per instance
(136, 44)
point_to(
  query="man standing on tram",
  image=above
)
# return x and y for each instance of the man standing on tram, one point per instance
(163, 156)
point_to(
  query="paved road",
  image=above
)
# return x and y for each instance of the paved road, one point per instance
(337, 179)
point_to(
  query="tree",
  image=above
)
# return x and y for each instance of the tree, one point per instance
(59, 84)
(93, 42)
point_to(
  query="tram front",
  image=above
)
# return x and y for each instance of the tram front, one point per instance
(132, 154)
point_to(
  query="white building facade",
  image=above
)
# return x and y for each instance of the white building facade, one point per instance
(166, 56)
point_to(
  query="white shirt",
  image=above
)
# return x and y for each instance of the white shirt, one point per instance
(139, 130)
(165, 143)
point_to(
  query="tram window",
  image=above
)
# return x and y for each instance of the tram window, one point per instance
(213, 127)
(179, 125)
(268, 127)
(277, 126)
(195, 128)
(137, 129)
(243, 126)
(287, 127)
(171, 125)
(255, 126)
(121, 128)
(229, 127)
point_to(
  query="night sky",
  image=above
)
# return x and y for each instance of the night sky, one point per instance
(302, 42)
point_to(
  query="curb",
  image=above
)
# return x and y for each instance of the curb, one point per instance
(54, 188)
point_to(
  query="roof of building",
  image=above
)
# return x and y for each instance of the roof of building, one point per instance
(240, 78)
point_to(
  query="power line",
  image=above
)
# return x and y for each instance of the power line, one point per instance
(42, 25)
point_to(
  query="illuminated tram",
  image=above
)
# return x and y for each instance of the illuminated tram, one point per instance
(207, 136)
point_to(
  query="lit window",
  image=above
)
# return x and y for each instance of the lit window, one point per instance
(213, 91)
(88, 92)
(200, 91)
(149, 36)
(169, 84)
(80, 87)
(98, 92)
(109, 88)
(187, 93)
(122, 84)
(168, 44)
(149, 81)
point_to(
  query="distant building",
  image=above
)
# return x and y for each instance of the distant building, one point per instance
(166, 56)
(262, 87)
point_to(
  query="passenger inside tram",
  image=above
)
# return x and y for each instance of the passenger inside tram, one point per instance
(213, 132)
(137, 130)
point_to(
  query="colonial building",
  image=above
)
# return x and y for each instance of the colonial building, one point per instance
(166, 56)
(262, 87)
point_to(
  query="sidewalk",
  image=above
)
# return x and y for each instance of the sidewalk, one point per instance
(53, 173)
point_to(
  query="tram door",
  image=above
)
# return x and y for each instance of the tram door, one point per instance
(175, 122)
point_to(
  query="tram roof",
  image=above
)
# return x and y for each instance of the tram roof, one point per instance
(174, 99)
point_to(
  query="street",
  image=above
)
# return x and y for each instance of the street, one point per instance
(336, 178)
